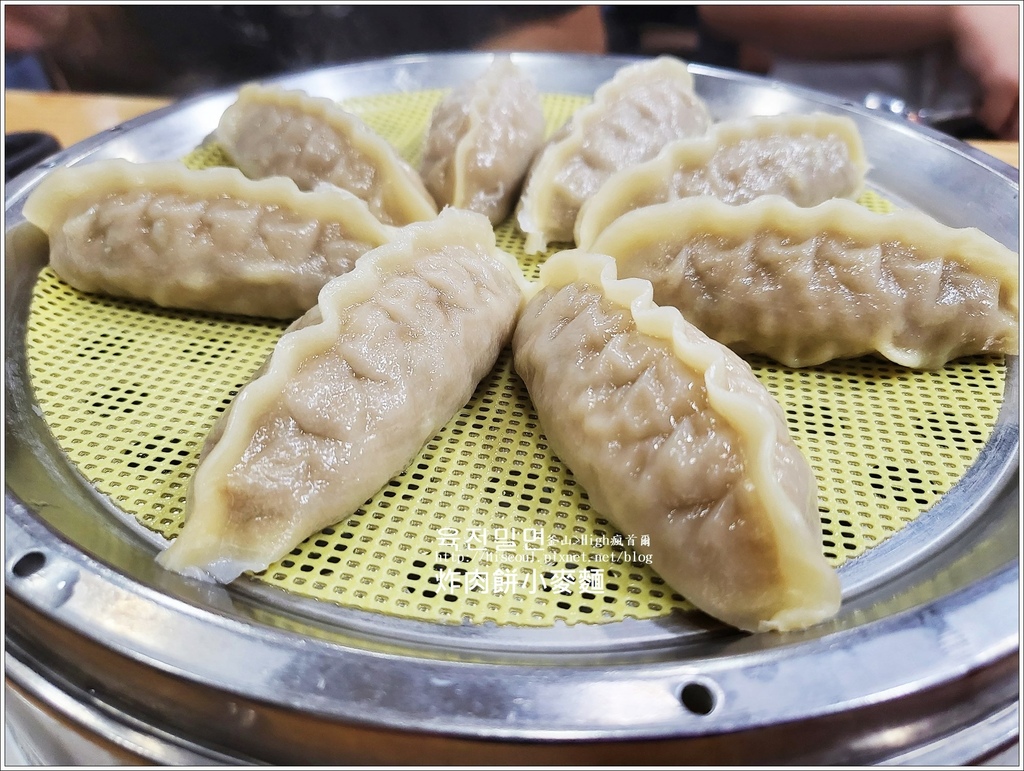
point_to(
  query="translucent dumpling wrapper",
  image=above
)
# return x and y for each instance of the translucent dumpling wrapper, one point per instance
(481, 140)
(209, 240)
(808, 285)
(350, 394)
(633, 115)
(805, 158)
(270, 131)
(672, 435)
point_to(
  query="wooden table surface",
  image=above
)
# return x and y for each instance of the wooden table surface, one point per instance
(73, 117)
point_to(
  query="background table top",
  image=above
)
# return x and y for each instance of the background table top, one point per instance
(72, 117)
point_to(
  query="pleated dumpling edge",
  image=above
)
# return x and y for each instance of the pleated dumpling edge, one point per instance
(774, 484)
(350, 394)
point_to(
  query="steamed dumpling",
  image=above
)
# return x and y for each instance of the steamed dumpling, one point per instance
(644, 106)
(350, 394)
(269, 131)
(481, 140)
(208, 240)
(805, 158)
(805, 286)
(672, 435)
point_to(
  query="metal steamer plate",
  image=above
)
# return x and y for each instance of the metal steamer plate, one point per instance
(389, 638)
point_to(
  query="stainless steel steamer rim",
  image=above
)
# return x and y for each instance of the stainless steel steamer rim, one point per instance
(920, 665)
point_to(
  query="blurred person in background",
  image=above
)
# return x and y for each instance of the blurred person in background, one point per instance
(182, 49)
(956, 67)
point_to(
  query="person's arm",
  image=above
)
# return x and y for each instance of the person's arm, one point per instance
(988, 43)
(84, 47)
(984, 36)
(579, 30)
(830, 31)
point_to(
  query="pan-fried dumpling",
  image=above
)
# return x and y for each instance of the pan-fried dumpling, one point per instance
(672, 435)
(350, 394)
(481, 140)
(805, 158)
(269, 131)
(208, 240)
(643, 107)
(807, 285)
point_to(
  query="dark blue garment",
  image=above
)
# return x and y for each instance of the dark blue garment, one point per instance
(25, 71)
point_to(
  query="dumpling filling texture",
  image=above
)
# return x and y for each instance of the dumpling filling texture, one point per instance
(805, 286)
(350, 394)
(269, 131)
(671, 434)
(208, 240)
(807, 159)
(482, 138)
(643, 107)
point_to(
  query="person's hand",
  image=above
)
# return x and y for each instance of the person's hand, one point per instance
(71, 31)
(988, 46)
(83, 46)
(31, 28)
(578, 30)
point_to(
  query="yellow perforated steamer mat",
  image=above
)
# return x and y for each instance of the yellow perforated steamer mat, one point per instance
(486, 525)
